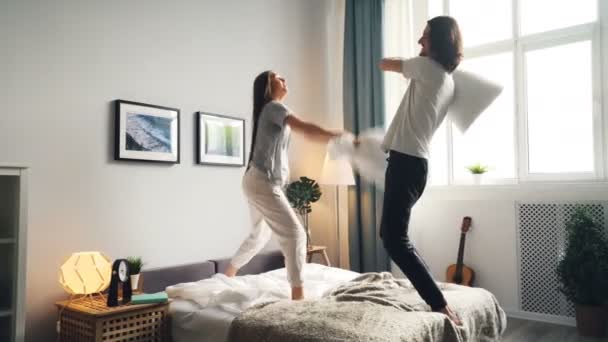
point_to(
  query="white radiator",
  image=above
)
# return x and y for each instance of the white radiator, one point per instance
(541, 236)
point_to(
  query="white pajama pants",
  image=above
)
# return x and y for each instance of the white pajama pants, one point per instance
(271, 212)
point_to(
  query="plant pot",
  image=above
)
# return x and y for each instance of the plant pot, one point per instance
(476, 178)
(135, 281)
(591, 320)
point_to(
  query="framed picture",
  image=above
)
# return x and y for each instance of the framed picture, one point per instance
(145, 132)
(220, 139)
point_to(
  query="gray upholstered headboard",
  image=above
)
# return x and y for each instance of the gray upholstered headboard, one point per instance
(260, 263)
(156, 280)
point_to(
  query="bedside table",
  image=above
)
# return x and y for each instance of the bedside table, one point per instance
(312, 250)
(87, 319)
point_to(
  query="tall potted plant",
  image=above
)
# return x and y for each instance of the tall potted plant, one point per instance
(583, 272)
(301, 194)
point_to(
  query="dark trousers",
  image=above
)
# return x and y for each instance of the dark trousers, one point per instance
(405, 181)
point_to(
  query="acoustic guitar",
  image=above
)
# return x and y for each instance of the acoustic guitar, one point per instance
(460, 273)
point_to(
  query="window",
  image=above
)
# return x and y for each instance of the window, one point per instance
(546, 124)
(560, 120)
(438, 160)
(490, 140)
(536, 18)
(482, 21)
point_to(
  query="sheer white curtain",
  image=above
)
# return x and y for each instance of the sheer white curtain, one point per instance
(333, 77)
(398, 42)
(334, 55)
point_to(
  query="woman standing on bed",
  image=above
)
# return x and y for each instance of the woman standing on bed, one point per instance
(421, 111)
(267, 173)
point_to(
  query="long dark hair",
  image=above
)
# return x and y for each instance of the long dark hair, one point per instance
(446, 42)
(261, 96)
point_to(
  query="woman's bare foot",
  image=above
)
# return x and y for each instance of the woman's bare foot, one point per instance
(297, 293)
(451, 315)
(230, 271)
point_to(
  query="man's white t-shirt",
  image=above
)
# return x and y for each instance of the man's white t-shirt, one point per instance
(422, 109)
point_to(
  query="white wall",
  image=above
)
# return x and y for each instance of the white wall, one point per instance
(491, 245)
(62, 63)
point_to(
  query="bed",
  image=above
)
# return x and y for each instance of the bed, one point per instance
(341, 306)
(189, 320)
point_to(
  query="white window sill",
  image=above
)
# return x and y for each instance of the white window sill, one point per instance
(514, 190)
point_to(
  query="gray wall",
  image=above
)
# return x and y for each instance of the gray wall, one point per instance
(61, 65)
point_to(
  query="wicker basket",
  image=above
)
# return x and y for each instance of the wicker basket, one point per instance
(90, 320)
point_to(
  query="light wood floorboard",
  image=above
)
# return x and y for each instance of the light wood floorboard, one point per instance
(519, 330)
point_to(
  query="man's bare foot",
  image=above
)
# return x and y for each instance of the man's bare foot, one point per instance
(451, 315)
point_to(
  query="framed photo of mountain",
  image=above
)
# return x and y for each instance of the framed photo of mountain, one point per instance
(145, 132)
(220, 139)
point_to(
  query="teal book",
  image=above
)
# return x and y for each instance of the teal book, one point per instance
(149, 298)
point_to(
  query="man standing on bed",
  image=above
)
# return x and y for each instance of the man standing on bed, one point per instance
(407, 141)
(267, 173)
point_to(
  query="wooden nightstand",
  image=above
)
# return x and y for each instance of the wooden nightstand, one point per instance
(317, 250)
(85, 320)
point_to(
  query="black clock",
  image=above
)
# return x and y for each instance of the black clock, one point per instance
(121, 276)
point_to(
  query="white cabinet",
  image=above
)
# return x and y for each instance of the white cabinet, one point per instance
(13, 241)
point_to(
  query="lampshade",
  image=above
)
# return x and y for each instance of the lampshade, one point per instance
(85, 273)
(336, 172)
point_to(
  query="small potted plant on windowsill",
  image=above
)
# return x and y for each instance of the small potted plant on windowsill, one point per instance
(477, 171)
(301, 194)
(583, 272)
(135, 265)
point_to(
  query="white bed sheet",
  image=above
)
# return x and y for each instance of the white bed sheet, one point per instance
(203, 311)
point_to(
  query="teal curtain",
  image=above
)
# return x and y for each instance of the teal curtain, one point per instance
(363, 109)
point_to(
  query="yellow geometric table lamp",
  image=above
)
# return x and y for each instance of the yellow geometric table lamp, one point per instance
(85, 273)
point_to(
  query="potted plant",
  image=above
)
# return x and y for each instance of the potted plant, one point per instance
(583, 272)
(477, 170)
(301, 194)
(135, 265)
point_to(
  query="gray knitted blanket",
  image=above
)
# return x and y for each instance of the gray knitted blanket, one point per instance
(373, 307)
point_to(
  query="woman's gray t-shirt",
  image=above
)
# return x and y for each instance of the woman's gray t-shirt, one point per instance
(271, 142)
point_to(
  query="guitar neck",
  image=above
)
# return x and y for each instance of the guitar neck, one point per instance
(459, 261)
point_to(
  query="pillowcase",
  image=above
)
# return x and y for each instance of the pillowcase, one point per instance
(472, 95)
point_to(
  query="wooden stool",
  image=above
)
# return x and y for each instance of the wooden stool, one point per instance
(317, 250)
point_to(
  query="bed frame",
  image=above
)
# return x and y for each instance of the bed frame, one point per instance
(156, 280)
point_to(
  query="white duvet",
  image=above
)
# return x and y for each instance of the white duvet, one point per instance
(202, 311)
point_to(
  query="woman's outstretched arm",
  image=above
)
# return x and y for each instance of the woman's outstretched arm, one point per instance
(311, 130)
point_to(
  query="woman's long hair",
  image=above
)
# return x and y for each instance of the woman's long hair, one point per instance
(446, 42)
(261, 96)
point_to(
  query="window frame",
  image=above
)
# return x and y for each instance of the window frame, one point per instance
(597, 34)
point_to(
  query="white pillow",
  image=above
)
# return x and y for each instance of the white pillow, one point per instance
(472, 95)
(368, 159)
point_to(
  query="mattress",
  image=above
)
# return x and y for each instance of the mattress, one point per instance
(191, 323)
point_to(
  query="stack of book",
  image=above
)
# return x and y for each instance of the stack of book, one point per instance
(149, 298)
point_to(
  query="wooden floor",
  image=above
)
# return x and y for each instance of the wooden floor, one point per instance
(519, 330)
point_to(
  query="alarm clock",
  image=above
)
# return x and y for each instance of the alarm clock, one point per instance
(121, 276)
